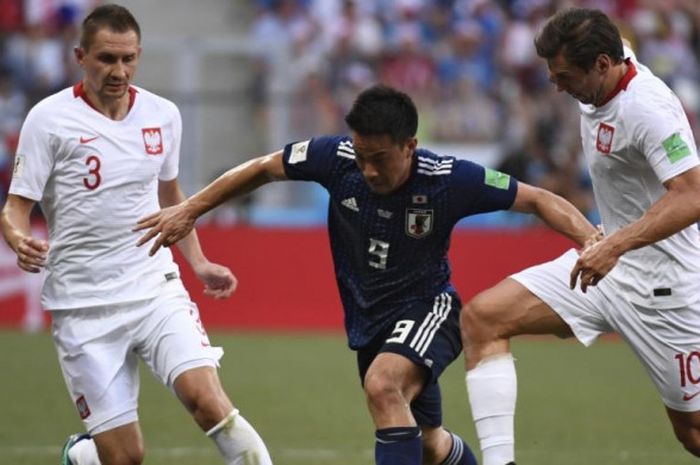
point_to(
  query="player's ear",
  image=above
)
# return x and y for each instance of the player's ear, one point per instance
(411, 143)
(603, 63)
(79, 53)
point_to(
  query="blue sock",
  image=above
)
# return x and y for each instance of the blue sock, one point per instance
(460, 454)
(398, 446)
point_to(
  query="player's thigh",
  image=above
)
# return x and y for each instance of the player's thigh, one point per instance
(686, 426)
(121, 445)
(172, 339)
(427, 337)
(550, 306)
(98, 365)
(509, 309)
(400, 372)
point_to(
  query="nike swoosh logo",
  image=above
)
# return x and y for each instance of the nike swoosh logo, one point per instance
(85, 140)
(687, 397)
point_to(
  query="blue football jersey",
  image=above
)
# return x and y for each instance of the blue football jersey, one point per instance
(390, 251)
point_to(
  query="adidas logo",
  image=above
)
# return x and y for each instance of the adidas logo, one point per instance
(384, 213)
(350, 203)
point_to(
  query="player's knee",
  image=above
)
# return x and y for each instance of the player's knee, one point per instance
(692, 446)
(136, 456)
(381, 391)
(690, 440)
(474, 322)
(127, 454)
(208, 409)
(207, 402)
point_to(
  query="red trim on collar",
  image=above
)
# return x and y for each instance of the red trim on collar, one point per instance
(79, 91)
(622, 83)
(132, 93)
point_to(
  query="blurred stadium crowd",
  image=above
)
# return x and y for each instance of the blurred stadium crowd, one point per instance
(472, 68)
(469, 64)
(36, 59)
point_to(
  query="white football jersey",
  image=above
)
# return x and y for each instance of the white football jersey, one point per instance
(94, 178)
(636, 141)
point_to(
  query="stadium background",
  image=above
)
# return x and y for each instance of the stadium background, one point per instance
(250, 76)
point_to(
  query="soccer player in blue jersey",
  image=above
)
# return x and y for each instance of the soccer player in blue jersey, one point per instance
(392, 209)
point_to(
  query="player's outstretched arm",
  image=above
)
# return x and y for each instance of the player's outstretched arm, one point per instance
(563, 217)
(16, 228)
(555, 211)
(219, 281)
(171, 224)
(677, 209)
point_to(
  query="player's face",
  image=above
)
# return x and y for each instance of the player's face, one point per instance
(586, 87)
(384, 164)
(109, 63)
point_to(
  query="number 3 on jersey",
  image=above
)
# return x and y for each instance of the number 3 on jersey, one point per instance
(380, 253)
(94, 178)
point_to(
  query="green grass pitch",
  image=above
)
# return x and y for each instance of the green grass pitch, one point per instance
(576, 406)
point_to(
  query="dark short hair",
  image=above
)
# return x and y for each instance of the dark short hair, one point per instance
(116, 18)
(582, 34)
(383, 110)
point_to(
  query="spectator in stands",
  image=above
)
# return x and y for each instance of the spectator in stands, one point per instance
(334, 39)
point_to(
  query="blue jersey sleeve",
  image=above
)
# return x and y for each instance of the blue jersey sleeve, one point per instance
(479, 190)
(313, 159)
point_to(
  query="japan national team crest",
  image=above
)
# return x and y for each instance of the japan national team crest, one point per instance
(419, 223)
(152, 140)
(605, 138)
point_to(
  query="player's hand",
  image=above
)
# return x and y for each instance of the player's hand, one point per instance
(168, 226)
(218, 280)
(31, 253)
(593, 264)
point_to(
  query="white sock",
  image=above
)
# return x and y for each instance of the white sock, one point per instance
(238, 442)
(84, 452)
(492, 388)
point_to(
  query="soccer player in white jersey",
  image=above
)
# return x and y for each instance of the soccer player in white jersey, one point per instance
(641, 279)
(97, 157)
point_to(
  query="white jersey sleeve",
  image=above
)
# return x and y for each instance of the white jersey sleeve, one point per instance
(660, 130)
(169, 170)
(34, 160)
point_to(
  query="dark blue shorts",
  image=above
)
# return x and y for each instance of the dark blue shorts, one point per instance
(428, 335)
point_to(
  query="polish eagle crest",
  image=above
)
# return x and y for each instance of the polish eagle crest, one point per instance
(605, 138)
(152, 140)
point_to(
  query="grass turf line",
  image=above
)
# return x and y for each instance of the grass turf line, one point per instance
(301, 391)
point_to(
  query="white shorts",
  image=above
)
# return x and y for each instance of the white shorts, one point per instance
(98, 350)
(667, 341)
